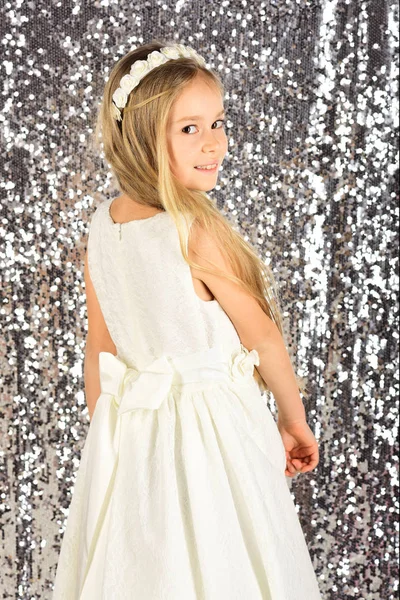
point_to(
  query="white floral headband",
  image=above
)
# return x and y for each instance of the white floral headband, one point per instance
(141, 68)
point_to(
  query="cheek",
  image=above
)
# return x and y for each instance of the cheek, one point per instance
(178, 150)
(179, 156)
(175, 160)
(185, 153)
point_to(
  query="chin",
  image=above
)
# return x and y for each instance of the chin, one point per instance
(206, 187)
(201, 189)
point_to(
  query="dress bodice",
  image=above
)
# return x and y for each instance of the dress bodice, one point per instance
(145, 290)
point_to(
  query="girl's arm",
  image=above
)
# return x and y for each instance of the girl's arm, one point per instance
(276, 370)
(98, 340)
(254, 328)
(92, 379)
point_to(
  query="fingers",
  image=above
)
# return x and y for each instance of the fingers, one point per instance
(296, 466)
(291, 470)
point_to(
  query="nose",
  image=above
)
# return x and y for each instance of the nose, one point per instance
(211, 142)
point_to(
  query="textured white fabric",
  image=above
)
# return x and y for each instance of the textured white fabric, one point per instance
(180, 493)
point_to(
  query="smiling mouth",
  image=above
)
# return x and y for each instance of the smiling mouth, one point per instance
(211, 167)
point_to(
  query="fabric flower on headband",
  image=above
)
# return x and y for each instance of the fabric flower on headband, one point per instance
(141, 68)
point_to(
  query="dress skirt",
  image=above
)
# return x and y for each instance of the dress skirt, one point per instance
(181, 492)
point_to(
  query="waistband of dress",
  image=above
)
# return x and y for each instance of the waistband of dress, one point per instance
(130, 388)
(217, 363)
(206, 366)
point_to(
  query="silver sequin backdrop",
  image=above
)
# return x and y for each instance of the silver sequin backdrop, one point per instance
(310, 179)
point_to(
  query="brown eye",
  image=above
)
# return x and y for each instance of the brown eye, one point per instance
(187, 126)
(220, 121)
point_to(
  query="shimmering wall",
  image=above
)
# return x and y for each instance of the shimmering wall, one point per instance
(310, 179)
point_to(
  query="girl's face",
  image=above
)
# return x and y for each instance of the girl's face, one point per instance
(196, 136)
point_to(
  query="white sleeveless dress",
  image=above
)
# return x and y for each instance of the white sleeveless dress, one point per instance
(180, 492)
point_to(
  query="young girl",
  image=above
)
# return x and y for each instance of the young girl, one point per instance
(181, 493)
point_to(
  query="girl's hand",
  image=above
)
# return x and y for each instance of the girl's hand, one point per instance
(301, 447)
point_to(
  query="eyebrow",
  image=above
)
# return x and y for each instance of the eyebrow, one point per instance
(198, 117)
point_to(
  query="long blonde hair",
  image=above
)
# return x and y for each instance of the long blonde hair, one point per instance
(137, 151)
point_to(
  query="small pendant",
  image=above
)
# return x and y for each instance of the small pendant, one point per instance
(120, 231)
